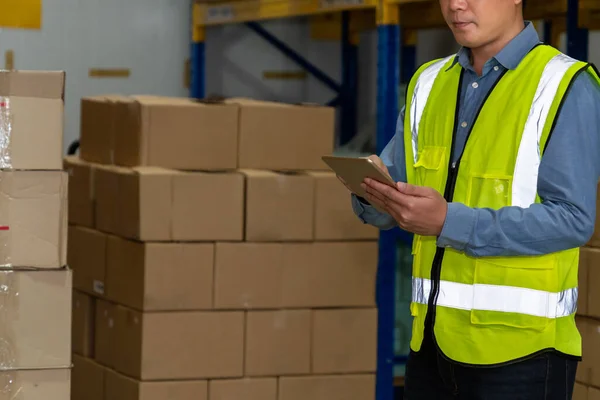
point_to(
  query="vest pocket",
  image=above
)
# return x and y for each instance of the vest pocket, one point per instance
(428, 168)
(515, 291)
(490, 191)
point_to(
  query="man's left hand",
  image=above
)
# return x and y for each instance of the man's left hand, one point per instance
(417, 209)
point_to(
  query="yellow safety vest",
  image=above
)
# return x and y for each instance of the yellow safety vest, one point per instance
(490, 310)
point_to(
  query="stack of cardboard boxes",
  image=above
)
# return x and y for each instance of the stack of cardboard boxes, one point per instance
(214, 258)
(588, 318)
(35, 285)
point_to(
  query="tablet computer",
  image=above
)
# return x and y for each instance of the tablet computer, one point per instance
(354, 170)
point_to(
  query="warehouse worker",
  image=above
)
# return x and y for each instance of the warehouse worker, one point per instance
(499, 146)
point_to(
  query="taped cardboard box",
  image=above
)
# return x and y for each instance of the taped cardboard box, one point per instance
(334, 217)
(105, 333)
(83, 324)
(279, 206)
(160, 276)
(344, 341)
(121, 387)
(580, 392)
(157, 204)
(31, 119)
(43, 384)
(328, 387)
(247, 389)
(87, 379)
(295, 275)
(176, 133)
(269, 334)
(81, 191)
(35, 322)
(278, 136)
(86, 255)
(589, 259)
(99, 118)
(209, 344)
(33, 233)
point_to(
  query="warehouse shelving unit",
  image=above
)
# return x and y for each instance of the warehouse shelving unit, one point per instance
(396, 63)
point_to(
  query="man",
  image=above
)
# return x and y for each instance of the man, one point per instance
(496, 155)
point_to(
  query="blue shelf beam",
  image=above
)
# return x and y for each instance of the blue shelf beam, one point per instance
(577, 38)
(349, 95)
(197, 63)
(388, 82)
(197, 58)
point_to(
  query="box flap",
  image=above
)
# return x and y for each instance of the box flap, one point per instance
(43, 84)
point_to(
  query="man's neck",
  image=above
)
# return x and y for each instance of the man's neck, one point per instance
(480, 55)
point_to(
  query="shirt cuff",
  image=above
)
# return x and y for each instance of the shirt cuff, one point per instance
(458, 227)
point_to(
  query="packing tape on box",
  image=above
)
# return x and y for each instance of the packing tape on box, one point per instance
(9, 312)
(6, 234)
(5, 132)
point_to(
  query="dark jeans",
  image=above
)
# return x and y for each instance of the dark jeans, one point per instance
(429, 376)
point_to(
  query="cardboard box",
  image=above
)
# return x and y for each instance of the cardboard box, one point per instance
(342, 387)
(31, 120)
(593, 352)
(99, 117)
(33, 230)
(105, 336)
(87, 379)
(160, 276)
(584, 326)
(81, 191)
(271, 334)
(156, 204)
(83, 327)
(592, 394)
(334, 274)
(248, 275)
(589, 258)
(120, 387)
(35, 322)
(334, 218)
(580, 392)
(246, 389)
(106, 190)
(595, 239)
(87, 257)
(277, 136)
(43, 384)
(295, 275)
(344, 341)
(207, 344)
(177, 133)
(279, 206)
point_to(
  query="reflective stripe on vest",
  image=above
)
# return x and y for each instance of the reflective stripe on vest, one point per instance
(498, 298)
(420, 96)
(524, 187)
(525, 176)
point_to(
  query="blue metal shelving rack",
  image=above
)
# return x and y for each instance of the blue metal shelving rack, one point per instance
(395, 64)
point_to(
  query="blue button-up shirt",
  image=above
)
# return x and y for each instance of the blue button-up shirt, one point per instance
(567, 179)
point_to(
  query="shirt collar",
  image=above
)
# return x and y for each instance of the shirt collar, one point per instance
(511, 55)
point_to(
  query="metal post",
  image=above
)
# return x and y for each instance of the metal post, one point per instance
(197, 59)
(408, 55)
(577, 38)
(349, 89)
(388, 82)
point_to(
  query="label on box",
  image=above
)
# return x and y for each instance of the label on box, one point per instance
(99, 287)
